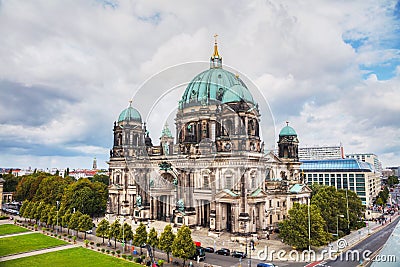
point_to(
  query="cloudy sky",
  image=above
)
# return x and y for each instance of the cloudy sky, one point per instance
(68, 68)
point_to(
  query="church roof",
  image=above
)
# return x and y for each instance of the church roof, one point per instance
(130, 114)
(287, 131)
(216, 84)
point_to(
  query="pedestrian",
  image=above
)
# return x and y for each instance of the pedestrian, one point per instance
(191, 264)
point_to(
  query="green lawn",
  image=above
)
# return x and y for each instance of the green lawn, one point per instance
(70, 257)
(6, 229)
(24, 243)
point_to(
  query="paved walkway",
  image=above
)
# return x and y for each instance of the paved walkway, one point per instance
(36, 252)
(16, 234)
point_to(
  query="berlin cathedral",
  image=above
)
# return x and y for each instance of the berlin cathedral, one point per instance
(215, 173)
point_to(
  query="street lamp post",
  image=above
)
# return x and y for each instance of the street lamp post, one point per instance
(309, 225)
(123, 235)
(57, 218)
(347, 210)
(337, 224)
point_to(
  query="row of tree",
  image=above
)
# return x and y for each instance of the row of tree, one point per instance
(331, 212)
(88, 197)
(48, 215)
(181, 245)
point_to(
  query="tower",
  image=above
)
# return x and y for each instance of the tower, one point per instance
(288, 144)
(94, 164)
(166, 141)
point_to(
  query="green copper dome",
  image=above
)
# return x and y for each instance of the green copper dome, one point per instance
(287, 131)
(130, 114)
(216, 84)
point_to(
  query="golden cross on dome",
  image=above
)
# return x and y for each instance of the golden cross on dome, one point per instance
(130, 102)
(215, 37)
(287, 123)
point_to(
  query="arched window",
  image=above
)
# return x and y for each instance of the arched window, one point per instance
(206, 181)
(228, 127)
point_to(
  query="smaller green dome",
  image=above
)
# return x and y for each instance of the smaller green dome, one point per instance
(287, 131)
(130, 114)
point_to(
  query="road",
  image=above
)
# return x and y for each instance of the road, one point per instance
(372, 243)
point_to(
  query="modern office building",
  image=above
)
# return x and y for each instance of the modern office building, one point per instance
(321, 152)
(358, 176)
(367, 157)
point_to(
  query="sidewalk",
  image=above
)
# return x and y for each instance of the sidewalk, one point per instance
(36, 252)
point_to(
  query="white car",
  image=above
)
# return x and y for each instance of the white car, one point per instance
(89, 231)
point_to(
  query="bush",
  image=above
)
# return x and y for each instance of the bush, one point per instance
(160, 262)
(97, 244)
(3, 217)
(103, 250)
(91, 243)
(118, 251)
(64, 234)
(59, 237)
(123, 256)
(138, 260)
(130, 257)
(108, 251)
(69, 236)
(113, 252)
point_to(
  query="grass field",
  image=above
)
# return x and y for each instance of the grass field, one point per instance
(70, 257)
(24, 243)
(6, 229)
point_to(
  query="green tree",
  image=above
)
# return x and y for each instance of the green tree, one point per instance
(183, 246)
(101, 178)
(44, 214)
(126, 232)
(38, 211)
(23, 208)
(10, 183)
(379, 201)
(355, 211)
(65, 220)
(152, 238)
(392, 180)
(51, 189)
(115, 230)
(28, 186)
(294, 230)
(166, 240)
(52, 216)
(140, 236)
(102, 229)
(66, 173)
(85, 196)
(60, 214)
(333, 203)
(74, 222)
(85, 223)
(32, 210)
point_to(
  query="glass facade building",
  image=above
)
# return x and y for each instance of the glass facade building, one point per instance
(350, 174)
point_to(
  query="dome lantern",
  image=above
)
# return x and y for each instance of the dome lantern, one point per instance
(216, 59)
